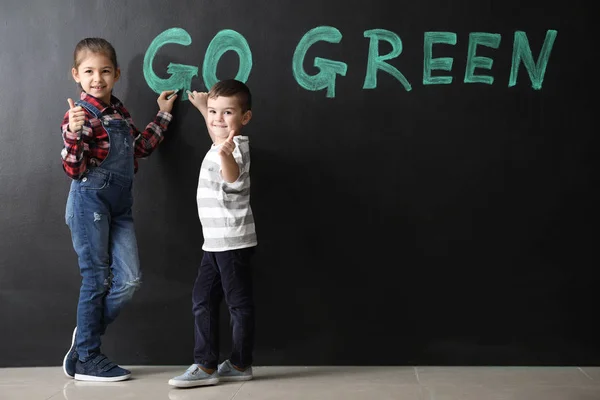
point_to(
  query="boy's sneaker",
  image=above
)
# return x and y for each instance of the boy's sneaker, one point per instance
(100, 369)
(227, 372)
(71, 358)
(194, 376)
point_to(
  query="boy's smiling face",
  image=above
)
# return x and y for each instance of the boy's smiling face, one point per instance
(224, 115)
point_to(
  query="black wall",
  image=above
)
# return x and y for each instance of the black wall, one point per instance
(449, 224)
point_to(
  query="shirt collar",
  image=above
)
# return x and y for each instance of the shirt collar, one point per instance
(99, 104)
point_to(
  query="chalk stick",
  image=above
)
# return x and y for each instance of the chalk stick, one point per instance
(190, 93)
(172, 94)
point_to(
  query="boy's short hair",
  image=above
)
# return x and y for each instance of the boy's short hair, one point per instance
(230, 88)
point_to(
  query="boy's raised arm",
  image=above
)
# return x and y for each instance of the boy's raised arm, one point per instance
(200, 101)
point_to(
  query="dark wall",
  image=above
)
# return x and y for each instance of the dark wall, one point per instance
(450, 224)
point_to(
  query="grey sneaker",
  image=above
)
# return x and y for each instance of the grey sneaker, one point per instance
(194, 376)
(228, 373)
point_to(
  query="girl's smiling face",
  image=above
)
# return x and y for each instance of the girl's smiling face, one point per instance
(97, 75)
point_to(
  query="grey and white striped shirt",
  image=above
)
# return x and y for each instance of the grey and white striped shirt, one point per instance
(224, 208)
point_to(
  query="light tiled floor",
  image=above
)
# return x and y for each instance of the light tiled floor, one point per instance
(315, 383)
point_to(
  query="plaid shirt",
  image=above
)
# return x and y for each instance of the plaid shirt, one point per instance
(91, 147)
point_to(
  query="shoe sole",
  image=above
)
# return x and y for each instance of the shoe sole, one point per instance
(67, 355)
(199, 382)
(92, 378)
(236, 378)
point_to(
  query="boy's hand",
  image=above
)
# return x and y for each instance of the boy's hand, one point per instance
(76, 117)
(228, 146)
(230, 171)
(200, 101)
(164, 104)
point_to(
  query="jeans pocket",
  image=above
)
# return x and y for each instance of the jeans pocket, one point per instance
(93, 182)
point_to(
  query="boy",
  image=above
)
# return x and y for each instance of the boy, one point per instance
(223, 200)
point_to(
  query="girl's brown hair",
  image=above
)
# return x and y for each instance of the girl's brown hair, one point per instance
(94, 45)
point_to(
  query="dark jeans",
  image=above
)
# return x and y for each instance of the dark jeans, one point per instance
(226, 273)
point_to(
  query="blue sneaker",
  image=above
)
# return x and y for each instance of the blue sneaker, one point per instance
(194, 376)
(99, 368)
(227, 372)
(71, 358)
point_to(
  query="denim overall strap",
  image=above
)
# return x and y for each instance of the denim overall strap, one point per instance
(89, 107)
(121, 152)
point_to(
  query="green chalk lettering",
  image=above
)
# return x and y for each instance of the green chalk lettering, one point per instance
(441, 63)
(223, 42)
(181, 75)
(377, 62)
(485, 39)
(522, 52)
(328, 68)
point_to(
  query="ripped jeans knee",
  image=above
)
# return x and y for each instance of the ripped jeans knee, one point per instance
(123, 291)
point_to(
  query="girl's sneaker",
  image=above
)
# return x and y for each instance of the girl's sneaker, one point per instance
(70, 358)
(227, 372)
(194, 376)
(99, 368)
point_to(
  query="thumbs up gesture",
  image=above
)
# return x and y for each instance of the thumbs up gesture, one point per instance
(230, 171)
(76, 117)
(228, 146)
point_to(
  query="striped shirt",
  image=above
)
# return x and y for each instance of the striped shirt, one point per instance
(224, 208)
(90, 148)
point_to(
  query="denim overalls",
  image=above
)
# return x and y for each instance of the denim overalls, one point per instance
(99, 215)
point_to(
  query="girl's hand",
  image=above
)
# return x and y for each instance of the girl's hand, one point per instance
(164, 104)
(76, 117)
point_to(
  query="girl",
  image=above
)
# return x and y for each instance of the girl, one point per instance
(101, 146)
